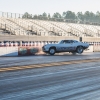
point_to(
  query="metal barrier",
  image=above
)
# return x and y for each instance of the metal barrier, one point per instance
(10, 15)
(39, 44)
(8, 51)
(96, 47)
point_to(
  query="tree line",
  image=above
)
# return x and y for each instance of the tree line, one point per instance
(87, 17)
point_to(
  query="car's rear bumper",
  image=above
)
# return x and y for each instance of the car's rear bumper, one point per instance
(86, 47)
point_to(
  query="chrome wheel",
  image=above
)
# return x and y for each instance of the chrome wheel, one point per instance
(79, 49)
(52, 51)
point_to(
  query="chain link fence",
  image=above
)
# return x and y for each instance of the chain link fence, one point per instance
(10, 15)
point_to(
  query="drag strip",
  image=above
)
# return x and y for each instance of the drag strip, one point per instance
(30, 60)
(49, 64)
(78, 81)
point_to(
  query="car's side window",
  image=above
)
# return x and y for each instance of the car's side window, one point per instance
(75, 41)
(66, 41)
(71, 41)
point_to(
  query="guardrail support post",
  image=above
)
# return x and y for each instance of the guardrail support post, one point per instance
(20, 43)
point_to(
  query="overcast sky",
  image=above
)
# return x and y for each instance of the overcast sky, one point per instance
(49, 6)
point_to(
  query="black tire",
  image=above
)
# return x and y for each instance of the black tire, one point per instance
(74, 53)
(52, 51)
(79, 49)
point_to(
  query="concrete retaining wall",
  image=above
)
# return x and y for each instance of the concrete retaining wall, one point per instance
(8, 51)
(90, 49)
(34, 38)
(96, 48)
(91, 39)
(46, 38)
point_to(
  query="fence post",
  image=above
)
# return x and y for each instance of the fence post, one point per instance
(11, 15)
(7, 15)
(2, 14)
(5, 26)
(15, 15)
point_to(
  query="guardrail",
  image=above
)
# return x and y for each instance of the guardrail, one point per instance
(36, 43)
(33, 43)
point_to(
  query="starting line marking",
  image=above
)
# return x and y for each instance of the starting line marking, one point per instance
(48, 65)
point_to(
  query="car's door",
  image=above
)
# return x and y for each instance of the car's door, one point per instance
(72, 45)
(64, 46)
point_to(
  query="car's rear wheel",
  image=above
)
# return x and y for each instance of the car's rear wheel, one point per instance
(79, 49)
(52, 51)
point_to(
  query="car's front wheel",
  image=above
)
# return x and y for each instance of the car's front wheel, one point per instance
(79, 49)
(52, 51)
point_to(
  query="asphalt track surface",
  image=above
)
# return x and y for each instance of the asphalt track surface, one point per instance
(67, 82)
(28, 60)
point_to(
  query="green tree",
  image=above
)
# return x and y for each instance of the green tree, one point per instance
(49, 16)
(44, 14)
(57, 15)
(35, 17)
(27, 15)
(69, 15)
(89, 16)
(97, 17)
(80, 16)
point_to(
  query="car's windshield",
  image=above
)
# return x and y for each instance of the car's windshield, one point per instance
(60, 42)
(65, 41)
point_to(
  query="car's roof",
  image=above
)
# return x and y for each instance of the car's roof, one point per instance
(70, 40)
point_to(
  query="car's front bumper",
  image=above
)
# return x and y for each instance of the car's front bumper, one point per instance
(45, 49)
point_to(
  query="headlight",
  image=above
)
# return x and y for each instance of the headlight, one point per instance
(45, 46)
